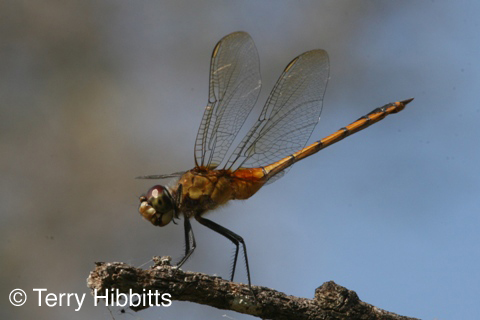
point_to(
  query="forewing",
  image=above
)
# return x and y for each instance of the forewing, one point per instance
(234, 88)
(162, 176)
(290, 114)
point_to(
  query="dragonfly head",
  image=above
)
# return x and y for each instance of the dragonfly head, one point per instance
(157, 206)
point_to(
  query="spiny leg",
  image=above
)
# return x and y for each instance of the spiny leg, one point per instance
(189, 239)
(235, 238)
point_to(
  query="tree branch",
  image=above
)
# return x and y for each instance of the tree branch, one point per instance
(331, 301)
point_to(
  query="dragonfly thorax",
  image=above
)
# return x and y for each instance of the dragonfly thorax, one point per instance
(157, 206)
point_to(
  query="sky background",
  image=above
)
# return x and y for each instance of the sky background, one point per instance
(94, 93)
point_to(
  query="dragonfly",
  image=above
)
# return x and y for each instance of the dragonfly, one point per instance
(274, 143)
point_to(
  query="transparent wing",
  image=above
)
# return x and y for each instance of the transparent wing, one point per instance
(290, 114)
(162, 176)
(234, 88)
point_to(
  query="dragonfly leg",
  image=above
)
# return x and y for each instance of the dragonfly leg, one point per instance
(190, 243)
(232, 236)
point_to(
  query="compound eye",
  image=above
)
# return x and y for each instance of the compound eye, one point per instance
(155, 197)
(159, 199)
(155, 191)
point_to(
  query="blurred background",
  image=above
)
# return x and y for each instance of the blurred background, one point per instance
(94, 93)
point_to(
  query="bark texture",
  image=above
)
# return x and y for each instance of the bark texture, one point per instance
(331, 301)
